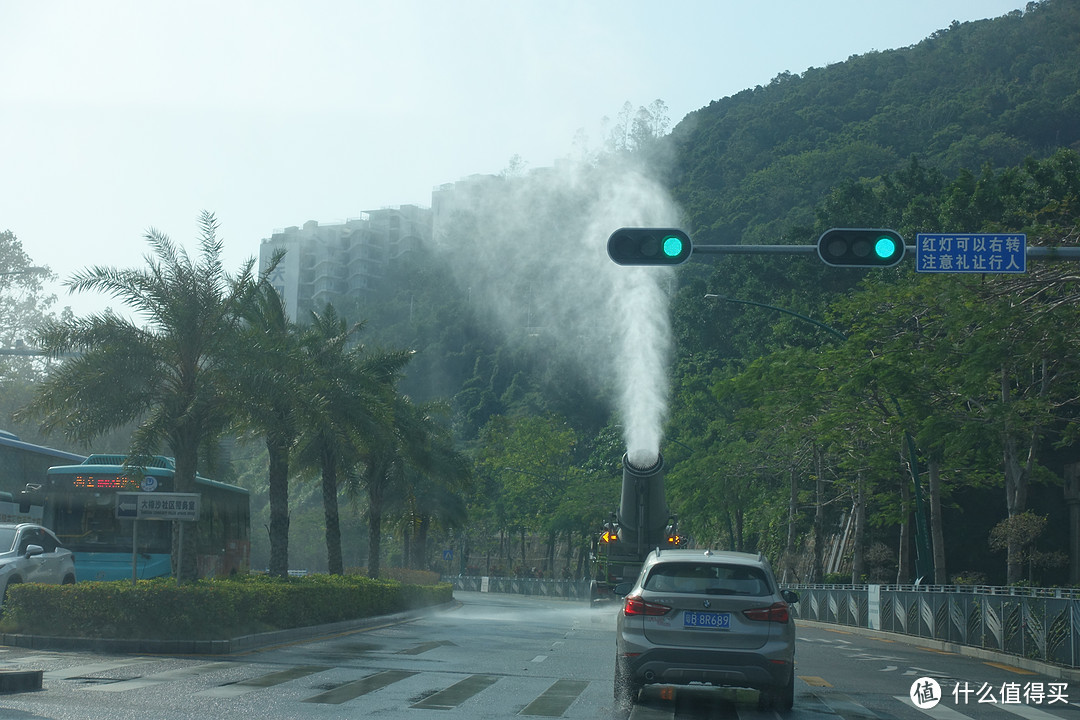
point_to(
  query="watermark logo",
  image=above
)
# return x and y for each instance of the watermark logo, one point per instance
(925, 693)
(1012, 693)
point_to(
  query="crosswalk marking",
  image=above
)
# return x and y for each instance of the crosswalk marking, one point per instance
(556, 699)
(424, 647)
(263, 681)
(938, 712)
(157, 678)
(81, 670)
(457, 693)
(845, 706)
(363, 686)
(1027, 712)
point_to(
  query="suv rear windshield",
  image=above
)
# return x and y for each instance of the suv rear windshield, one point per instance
(707, 579)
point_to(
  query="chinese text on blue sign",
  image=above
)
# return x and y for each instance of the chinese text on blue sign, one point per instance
(956, 253)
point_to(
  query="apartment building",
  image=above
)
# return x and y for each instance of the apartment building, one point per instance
(332, 262)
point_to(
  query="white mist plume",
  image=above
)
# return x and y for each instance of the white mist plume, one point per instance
(533, 250)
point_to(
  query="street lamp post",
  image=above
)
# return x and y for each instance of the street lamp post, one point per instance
(924, 559)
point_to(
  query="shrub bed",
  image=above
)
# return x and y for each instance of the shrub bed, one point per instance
(206, 609)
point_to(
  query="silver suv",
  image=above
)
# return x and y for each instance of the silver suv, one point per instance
(701, 616)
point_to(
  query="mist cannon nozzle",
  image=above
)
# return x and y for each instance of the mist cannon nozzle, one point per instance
(643, 510)
(637, 469)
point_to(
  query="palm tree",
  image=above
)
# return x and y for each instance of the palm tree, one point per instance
(348, 405)
(169, 376)
(414, 446)
(270, 395)
(433, 490)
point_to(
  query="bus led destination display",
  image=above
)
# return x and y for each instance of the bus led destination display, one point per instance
(105, 482)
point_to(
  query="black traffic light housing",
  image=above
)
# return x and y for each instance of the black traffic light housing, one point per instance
(860, 247)
(649, 246)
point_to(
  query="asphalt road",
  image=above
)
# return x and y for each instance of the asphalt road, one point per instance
(503, 656)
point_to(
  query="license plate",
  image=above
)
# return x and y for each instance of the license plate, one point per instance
(707, 620)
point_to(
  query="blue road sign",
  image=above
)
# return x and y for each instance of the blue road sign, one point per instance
(970, 253)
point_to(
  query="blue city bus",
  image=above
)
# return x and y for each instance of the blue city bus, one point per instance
(24, 464)
(80, 507)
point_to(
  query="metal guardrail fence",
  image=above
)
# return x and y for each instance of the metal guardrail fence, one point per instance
(567, 589)
(1035, 623)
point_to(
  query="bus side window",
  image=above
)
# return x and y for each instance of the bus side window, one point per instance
(30, 537)
(46, 542)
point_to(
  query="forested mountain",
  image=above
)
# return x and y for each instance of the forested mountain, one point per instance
(781, 435)
(752, 166)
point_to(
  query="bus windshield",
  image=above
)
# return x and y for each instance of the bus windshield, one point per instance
(87, 522)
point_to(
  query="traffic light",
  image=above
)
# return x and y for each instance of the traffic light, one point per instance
(860, 247)
(649, 246)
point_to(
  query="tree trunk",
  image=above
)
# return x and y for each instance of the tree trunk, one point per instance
(740, 517)
(858, 568)
(903, 565)
(817, 571)
(793, 517)
(569, 554)
(523, 560)
(278, 479)
(420, 550)
(186, 458)
(549, 559)
(1017, 475)
(933, 467)
(375, 508)
(330, 513)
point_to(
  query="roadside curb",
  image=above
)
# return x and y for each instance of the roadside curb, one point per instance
(231, 646)
(13, 681)
(1054, 671)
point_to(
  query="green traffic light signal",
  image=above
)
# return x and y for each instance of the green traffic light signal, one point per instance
(649, 246)
(885, 247)
(860, 247)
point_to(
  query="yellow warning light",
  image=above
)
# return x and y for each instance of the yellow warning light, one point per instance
(609, 537)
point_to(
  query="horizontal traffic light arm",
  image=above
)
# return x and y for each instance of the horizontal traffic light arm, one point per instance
(1049, 253)
(756, 249)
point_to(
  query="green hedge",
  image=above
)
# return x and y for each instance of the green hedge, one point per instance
(206, 609)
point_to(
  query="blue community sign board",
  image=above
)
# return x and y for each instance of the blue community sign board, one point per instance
(970, 253)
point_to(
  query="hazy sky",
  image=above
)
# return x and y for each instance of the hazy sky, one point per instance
(116, 117)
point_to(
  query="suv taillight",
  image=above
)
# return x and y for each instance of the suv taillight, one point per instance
(636, 606)
(777, 612)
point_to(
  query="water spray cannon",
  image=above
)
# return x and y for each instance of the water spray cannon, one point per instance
(643, 511)
(641, 525)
